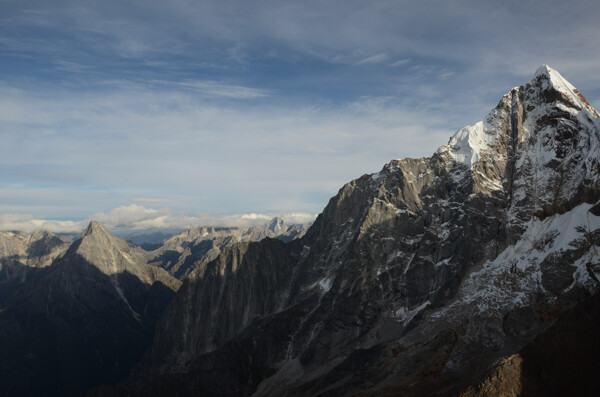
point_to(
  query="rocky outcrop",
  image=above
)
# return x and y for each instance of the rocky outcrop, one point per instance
(82, 321)
(413, 281)
(559, 362)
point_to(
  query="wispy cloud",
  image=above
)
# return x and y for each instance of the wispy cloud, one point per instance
(149, 200)
(213, 88)
(372, 59)
(27, 223)
(400, 62)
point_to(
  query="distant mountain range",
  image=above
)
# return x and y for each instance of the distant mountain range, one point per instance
(81, 314)
(473, 272)
(182, 253)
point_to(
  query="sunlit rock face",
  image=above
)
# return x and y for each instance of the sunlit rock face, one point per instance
(413, 281)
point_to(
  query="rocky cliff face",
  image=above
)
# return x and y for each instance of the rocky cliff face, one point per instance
(83, 320)
(561, 361)
(414, 280)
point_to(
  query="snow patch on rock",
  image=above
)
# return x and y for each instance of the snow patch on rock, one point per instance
(467, 144)
(515, 275)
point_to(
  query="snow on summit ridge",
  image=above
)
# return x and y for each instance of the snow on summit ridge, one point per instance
(551, 78)
(468, 144)
(554, 78)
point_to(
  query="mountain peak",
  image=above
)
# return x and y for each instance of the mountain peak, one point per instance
(544, 70)
(548, 78)
(553, 78)
(552, 75)
(101, 248)
(112, 255)
(95, 227)
(547, 90)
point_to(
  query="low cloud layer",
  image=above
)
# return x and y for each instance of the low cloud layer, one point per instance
(27, 223)
(139, 218)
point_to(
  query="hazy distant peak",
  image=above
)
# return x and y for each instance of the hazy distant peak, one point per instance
(276, 225)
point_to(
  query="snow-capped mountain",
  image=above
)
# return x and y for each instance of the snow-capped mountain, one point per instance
(416, 280)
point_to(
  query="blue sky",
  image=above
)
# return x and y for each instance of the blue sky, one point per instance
(156, 114)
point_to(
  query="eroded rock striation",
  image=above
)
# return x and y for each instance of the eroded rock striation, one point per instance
(417, 280)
